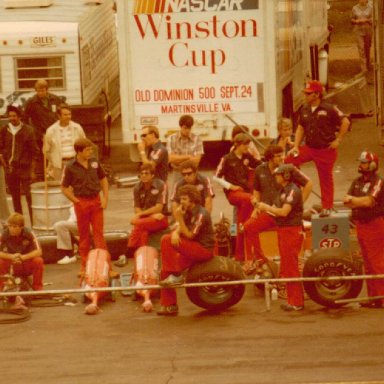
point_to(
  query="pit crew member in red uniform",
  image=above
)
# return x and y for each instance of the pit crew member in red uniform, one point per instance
(20, 249)
(323, 127)
(150, 204)
(191, 242)
(234, 168)
(190, 176)
(366, 198)
(83, 179)
(266, 190)
(288, 214)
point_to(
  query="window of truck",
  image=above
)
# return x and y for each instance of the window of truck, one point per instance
(30, 69)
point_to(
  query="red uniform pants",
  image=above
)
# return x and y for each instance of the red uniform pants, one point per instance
(176, 259)
(89, 213)
(242, 201)
(252, 229)
(324, 159)
(371, 239)
(290, 241)
(34, 267)
(142, 228)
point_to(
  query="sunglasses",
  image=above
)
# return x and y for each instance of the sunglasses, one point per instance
(186, 173)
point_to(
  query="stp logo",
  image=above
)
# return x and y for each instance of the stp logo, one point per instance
(330, 243)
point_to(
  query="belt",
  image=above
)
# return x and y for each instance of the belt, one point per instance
(67, 158)
(88, 197)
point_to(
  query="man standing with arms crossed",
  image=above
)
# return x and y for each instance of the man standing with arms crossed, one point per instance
(366, 198)
(184, 145)
(323, 127)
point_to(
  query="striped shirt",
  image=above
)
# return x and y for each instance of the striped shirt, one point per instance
(180, 145)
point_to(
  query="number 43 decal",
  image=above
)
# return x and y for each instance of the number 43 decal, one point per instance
(330, 228)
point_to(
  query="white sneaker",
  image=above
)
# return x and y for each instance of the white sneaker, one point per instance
(67, 260)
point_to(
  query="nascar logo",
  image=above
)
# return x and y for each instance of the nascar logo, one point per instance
(169, 6)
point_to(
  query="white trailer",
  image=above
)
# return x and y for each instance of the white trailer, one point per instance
(248, 59)
(379, 66)
(72, 44)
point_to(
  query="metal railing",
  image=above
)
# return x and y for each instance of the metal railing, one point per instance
(268, 285)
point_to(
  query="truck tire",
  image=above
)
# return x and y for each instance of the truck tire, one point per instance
(215, 298)
(331, 262)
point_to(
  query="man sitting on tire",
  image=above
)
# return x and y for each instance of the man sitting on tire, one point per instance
(288, 214)
(366, 198)
(190, 242)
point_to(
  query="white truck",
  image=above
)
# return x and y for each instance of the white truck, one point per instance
(379, 66)
(72, 44)
(246, 59)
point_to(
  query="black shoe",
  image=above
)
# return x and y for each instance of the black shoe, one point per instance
(325, 212)
(371, 304)
(291, 308)
(168, 310)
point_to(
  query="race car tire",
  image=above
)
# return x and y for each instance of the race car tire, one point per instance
(215, 298)
(331, 262)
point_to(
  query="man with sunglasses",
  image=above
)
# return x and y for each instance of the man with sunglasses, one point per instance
(323, 127)
(153, 152)
(150, 204)
(190, 176)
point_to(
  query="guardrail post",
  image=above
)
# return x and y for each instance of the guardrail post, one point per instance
(267, 295)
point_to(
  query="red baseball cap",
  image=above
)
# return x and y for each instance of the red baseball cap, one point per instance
(313, 86)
